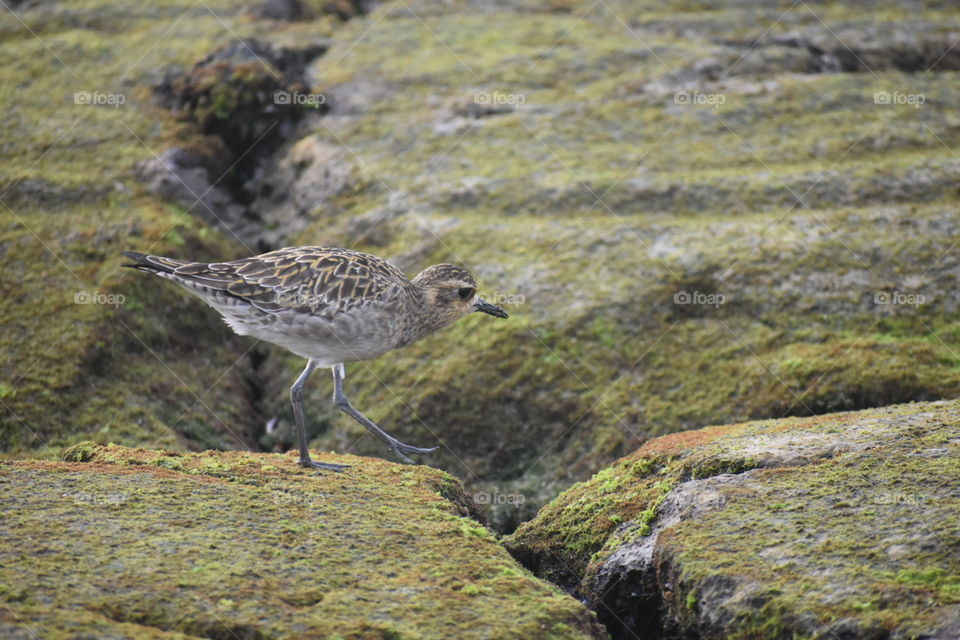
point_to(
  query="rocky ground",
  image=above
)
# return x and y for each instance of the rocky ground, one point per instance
(842, 525)
(837, 526)
(696, 213)
(117, 542)
(672, 263)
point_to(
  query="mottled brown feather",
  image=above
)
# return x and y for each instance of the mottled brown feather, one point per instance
(314, 280)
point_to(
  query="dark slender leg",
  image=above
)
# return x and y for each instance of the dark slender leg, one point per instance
(341, 401)
(296, 396)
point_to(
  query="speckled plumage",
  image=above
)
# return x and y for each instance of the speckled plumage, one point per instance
(328, 305)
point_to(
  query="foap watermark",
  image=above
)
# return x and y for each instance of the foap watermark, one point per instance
(909, 499)
(711, 500)
(285, 499)
(499, 99)
(698, 297)
(899, 98)
(699, 99)
(497, 498)
(297, 299)
(301, 99)
(96, 297)
(899, 298)
(86, 498)
(505, 299)
(98, 99)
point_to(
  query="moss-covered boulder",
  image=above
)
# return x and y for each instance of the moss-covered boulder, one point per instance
(118, 542)
(844, 525)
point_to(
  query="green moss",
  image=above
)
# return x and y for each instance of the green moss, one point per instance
(252, 544)
(592, 204)
(81, 452)
(80, 370)
(598, 357)
(474, 530)
(847, 519)
(473, 590)
(946, 585)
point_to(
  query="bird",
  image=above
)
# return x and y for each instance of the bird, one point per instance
(331, 306)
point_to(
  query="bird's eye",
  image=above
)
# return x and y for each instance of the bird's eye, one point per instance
(465, 293)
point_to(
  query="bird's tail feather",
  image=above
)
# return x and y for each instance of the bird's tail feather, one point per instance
(155, 264)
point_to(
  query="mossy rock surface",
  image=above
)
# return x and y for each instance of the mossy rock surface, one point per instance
(153, 543)
(86, 356)
(843, 525)
(667, 263)
(669, 259)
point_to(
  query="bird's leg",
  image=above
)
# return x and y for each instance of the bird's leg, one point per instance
(296, 397)
(341, 401)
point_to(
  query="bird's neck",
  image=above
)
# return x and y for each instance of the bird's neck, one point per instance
(421, 318)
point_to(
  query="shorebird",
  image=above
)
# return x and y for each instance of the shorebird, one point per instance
(330, 306)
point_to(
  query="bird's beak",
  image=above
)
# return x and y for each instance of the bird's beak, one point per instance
(479, 304)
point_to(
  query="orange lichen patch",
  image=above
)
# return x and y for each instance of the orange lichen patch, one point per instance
(678, 443)
(798, 424)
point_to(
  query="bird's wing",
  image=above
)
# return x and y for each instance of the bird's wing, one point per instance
(313, 280)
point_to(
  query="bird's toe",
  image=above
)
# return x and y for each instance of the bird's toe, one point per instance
(406, 448)
(326, 466)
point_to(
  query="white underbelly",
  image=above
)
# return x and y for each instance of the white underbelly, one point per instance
(348, 338)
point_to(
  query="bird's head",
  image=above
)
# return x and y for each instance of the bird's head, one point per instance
(451, 292)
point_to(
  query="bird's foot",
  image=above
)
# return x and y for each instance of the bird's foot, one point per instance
(402, 449)
(326, 466)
